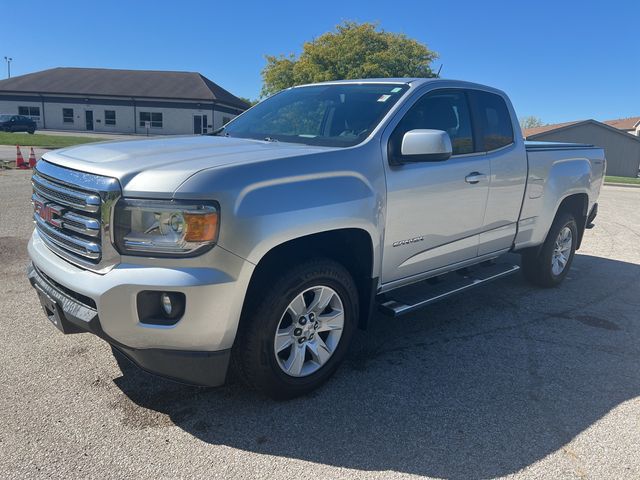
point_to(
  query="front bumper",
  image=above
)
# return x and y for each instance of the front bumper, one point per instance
(195, 350)
(69, 314)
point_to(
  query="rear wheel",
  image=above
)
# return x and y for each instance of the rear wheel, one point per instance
(31, 131)
(549, 265)
(295, 338)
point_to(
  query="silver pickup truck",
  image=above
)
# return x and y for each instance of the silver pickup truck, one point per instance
(265, 245)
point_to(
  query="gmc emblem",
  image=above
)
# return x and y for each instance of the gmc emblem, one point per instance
(49, 212)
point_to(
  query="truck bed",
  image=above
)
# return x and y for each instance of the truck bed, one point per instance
(556, 169)
(539, 146)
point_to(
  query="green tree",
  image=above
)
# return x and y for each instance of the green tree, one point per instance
(249, 101)
(353, 50)
(530, 122)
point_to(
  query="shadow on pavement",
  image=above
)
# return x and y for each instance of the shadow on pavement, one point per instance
(477, 386)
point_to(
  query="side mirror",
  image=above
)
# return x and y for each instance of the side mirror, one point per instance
(426, 146)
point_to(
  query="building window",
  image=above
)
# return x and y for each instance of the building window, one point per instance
(154, 117)
(67, 115)
(32, 112)
(109, 117)
(225, 120)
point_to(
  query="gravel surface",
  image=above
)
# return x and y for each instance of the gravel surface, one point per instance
(507, 380)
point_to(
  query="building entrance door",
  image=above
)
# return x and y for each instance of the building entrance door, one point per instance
(88, 119)
(199, 124)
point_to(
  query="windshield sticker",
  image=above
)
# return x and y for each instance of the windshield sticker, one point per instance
(396, 90)
(384, 98)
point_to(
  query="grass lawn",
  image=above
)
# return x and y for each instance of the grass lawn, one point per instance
(633, 181)
(43, 140)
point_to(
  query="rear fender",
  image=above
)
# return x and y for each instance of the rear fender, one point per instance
(566, 178)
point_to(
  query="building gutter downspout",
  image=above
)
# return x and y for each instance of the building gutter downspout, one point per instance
(44, 118)
(135, 115)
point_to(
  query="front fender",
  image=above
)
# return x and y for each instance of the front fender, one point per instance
(265, 204)
(270, 213)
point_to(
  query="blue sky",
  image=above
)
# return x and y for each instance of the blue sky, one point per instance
(559, 60)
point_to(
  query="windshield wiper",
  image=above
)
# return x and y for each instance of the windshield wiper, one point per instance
(270, 139)
(218, 133)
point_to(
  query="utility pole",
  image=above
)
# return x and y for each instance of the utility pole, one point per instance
(8, 60)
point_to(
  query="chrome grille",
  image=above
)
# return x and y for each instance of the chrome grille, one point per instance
(77, 245)
(84, 201)
(73, 214)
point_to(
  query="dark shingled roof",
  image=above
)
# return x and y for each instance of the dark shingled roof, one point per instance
(122, 83)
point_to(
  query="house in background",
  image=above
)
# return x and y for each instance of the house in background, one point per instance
(120, 101)
(630, 125)
(622, 149)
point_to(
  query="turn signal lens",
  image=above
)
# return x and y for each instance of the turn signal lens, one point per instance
(201, 227)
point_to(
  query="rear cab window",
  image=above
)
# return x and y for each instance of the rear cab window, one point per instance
(492, 120)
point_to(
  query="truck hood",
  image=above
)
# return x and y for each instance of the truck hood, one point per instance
(157, 167)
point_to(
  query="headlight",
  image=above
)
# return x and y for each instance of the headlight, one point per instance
(165, 228)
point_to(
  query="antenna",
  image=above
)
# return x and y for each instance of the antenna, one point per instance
(439, 70)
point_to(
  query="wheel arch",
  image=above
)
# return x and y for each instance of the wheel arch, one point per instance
(576, 204)
(351, 247)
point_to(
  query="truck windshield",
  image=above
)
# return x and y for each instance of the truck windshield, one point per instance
(339, 115)
(5, 118)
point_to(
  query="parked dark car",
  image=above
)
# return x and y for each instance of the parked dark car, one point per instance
(16, 123)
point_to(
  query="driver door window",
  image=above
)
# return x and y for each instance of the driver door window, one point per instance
(443, 110)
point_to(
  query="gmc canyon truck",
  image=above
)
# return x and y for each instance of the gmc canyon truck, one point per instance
(265, 245)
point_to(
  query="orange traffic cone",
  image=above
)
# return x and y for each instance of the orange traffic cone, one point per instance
(20, 159)
(32, 159)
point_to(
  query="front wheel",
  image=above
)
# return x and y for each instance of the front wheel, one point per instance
(31, 131)
(295, 338)
(548, 266)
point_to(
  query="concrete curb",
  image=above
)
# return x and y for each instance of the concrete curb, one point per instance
(628, 185)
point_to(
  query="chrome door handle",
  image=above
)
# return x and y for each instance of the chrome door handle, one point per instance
(475, 177)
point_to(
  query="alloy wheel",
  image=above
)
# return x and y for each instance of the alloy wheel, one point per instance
(561, 251)
(309, 331)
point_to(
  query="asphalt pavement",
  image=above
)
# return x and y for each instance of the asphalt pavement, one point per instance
(505, 381)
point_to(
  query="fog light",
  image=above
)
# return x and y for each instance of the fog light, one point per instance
(165, 299)
(160, 308)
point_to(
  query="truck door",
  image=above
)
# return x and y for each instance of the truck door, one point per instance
(495, 125)
(435, 210)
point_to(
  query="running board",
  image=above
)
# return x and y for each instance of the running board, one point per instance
(412, 297)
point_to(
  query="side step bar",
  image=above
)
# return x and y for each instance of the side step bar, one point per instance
(412, 297)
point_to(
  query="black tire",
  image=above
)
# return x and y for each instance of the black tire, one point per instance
(31, 132)
(254, 352)
(537, 263)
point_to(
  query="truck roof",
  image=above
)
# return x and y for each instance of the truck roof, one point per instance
(414, 81)
(366, 80)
